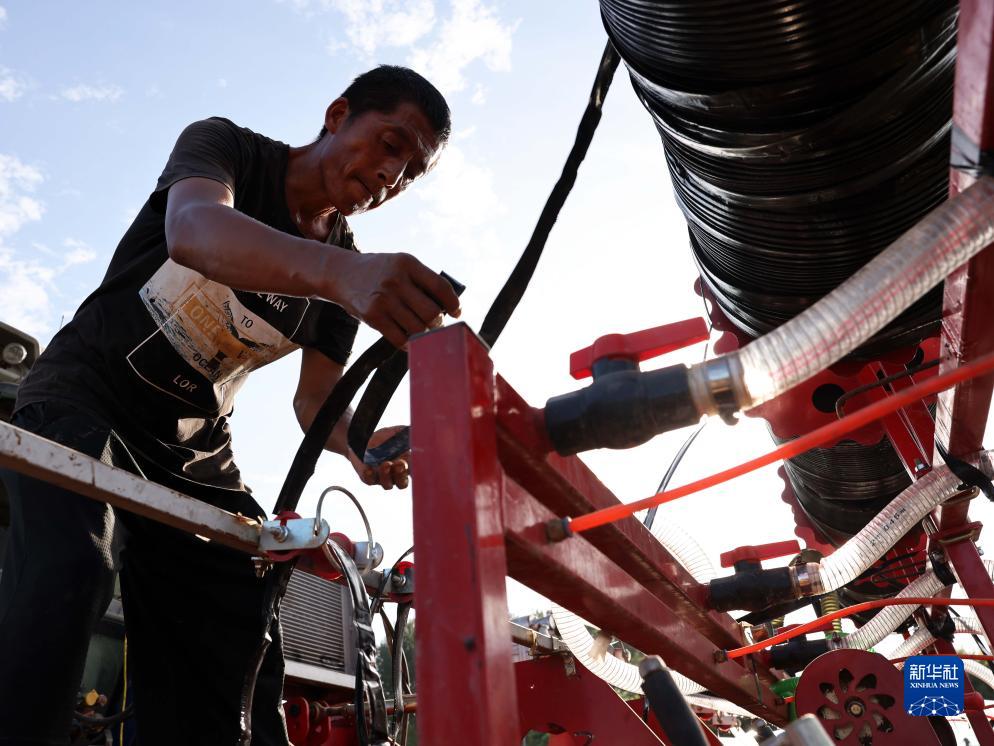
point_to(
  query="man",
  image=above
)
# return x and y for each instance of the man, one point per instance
(240, 255)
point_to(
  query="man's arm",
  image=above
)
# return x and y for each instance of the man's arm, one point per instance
(393, 293)
(318, 376)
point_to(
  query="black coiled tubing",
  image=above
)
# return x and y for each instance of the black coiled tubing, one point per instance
(802, 137)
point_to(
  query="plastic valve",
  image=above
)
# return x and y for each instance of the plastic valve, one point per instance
(760, 552)
(638, 346)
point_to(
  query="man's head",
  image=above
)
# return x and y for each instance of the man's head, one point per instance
(386, 129)
(384, 87)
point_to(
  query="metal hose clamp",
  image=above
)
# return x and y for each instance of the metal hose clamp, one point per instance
(716, 387)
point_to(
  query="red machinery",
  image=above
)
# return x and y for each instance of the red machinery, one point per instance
(487, 482)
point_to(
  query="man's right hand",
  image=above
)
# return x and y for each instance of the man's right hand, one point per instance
(393, 293)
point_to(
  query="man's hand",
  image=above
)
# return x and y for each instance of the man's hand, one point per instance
(394, 293)
(389, 474)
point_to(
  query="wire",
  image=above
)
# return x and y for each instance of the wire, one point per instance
(830, 432)
(650, 517)
(362, 514)
(841, 401)
(814, 625)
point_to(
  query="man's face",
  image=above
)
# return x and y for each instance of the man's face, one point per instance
(371, 157)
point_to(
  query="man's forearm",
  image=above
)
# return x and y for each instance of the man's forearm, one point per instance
(338, 442)
(233, 249)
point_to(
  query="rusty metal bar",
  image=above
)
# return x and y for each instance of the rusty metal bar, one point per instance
(42, 459)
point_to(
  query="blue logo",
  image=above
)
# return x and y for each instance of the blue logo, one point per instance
(933, 685)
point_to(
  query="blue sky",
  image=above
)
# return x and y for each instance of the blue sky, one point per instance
(93, 95)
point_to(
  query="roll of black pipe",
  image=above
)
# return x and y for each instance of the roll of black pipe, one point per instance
(802, 137)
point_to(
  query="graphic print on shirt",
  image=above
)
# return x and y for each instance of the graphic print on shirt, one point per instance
(209, 336)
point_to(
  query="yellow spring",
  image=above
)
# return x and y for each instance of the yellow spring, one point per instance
(829, 603)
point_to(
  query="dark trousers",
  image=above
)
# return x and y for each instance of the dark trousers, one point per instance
(193, 610)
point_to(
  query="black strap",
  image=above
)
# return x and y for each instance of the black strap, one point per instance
(325, 420)
(275, 587)
(969, 474)
(369, 687)
(375, 401)
(398, 665)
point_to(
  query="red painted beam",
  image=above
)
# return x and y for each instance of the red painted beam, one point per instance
(968, 304)
(578, 576)
(567, 487)
(465, 676)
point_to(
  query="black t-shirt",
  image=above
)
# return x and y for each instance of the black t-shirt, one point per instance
(158, 350)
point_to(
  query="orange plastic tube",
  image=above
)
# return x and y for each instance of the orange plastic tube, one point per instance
(803, 629)
(815, 438)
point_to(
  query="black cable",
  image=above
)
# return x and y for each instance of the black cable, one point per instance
(650, 516)
(514, 288)
(397, 662)
(910, 371)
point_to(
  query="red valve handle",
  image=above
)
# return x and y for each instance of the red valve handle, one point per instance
(760, 552)
(638, 346)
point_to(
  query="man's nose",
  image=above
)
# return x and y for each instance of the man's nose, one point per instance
(390, 173)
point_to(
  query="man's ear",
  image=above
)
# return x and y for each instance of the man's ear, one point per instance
(336, 114)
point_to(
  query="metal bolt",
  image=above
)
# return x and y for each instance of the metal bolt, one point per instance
(855, 708)
(280, 533)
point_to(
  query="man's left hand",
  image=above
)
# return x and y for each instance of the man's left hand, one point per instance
(389, 474)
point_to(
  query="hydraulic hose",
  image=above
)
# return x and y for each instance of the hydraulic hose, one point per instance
(922, 638)
(885, 529)
(617, 672)
(834, 326)
(980, 671)
(889, 618)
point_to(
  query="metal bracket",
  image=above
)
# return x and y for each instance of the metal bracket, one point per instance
(294, 533)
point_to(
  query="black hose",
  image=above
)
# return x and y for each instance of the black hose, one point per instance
(802, 137)
(669, 705)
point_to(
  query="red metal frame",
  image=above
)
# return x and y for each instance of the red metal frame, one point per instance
(486, 483)
(967, 331)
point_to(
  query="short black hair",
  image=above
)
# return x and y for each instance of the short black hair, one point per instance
(385, 87)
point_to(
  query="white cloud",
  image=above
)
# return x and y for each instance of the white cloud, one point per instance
(459, 192)
(11, 85)
(17, 182)
(3, 17)
(371, 24)
(28, 277)
(79, 252)
(479, 95)
(222, 83)
(84, 92)
(472, 32)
